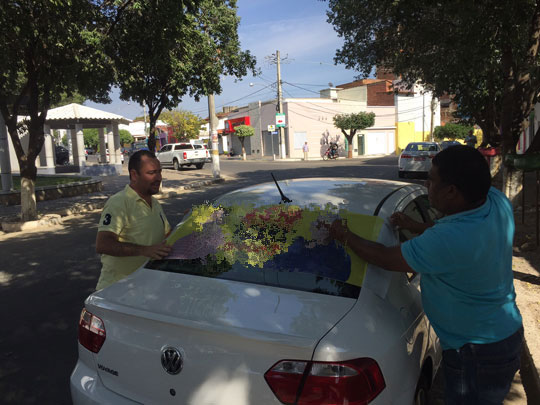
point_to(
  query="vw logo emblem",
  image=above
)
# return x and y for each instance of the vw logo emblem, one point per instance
(172, 360)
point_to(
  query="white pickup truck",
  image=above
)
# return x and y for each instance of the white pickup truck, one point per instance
(177, 155)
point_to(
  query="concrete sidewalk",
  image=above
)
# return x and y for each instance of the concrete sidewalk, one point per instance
(52, 212)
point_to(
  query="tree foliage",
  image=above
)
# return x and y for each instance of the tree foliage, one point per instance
(451, 131)
(66, 99)
(91, 138)
(165, 50)
(349, 124)
(156, 51)
(125, 137)
(242, 132)
(484, 53)
(185, 124)
(49, 49)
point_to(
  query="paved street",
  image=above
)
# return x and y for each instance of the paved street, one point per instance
(46, 275)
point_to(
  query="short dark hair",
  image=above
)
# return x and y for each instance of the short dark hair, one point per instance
(136, 158)
(465, 168)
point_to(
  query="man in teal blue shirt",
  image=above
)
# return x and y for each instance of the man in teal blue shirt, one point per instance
(465, 260)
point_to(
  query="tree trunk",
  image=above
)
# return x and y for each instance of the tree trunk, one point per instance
(495, 165)
(28, 200)
(350, 141)
(512, 184)
(27, 167)
(243, 149)
(151, 134)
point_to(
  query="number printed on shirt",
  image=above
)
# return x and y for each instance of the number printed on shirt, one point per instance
(107, 219)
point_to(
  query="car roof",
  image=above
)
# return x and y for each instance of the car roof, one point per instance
(362, 196)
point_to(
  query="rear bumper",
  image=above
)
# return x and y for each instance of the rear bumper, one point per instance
(193, 161)
(87, 389)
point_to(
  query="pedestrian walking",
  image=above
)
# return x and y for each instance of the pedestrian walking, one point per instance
(305, 148)
(133, 226)
(465, 259)
(471, 140)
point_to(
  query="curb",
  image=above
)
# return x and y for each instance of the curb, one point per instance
(55, 217)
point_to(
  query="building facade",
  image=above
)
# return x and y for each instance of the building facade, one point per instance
(401, 116)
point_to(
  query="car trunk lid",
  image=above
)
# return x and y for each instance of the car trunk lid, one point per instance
(229, 334)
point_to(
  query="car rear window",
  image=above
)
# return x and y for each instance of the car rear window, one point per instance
(183, 146)
(422, 147)
(281, 245)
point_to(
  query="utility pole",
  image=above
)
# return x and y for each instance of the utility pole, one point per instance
(275, 58)
(212, 127)
(423, 113)
(282, 151)
(433, 106)
(144, 111)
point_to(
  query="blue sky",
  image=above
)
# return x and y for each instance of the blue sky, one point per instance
(298, 29)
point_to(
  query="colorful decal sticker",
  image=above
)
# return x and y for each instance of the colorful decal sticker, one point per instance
(281, 237)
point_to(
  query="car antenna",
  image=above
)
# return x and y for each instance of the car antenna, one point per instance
(283, 198)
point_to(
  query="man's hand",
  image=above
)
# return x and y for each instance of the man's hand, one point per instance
(389, 258)
(108, 243)
(403, 221)
(159, 251)
(339, 231)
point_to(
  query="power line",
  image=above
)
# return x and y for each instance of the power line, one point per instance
(234, 101)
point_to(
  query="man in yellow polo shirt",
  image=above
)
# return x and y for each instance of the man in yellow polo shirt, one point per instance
(133, 225)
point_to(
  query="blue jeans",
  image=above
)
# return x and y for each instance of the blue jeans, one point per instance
(479, 374)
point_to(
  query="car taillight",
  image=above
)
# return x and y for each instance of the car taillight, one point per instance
(207, 154)
(352, 382)
(91, 331)
(406, 156)
(184, 155)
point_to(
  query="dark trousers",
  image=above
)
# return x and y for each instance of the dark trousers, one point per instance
(479, 374)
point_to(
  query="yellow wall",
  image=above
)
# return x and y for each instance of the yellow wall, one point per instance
(406, 133)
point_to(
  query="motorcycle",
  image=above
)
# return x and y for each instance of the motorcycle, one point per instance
(331, 153)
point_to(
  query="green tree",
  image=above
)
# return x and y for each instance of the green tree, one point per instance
(66, 99)
(350, 123)
(91, 138)
(194, 43)
(185, 124)
(49, 48)
(451, 131)
(484, 53)
(242, 132)
(125, 137)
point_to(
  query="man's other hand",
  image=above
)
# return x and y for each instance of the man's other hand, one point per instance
(339, 231)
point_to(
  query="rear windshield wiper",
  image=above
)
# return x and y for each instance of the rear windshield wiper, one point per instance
(284, 199)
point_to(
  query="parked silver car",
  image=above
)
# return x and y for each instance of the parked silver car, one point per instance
(416, 158)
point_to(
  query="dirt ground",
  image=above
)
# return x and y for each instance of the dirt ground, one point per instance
(526, 267)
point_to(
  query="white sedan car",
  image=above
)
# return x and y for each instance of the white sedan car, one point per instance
(416, 158)
(257, 305)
